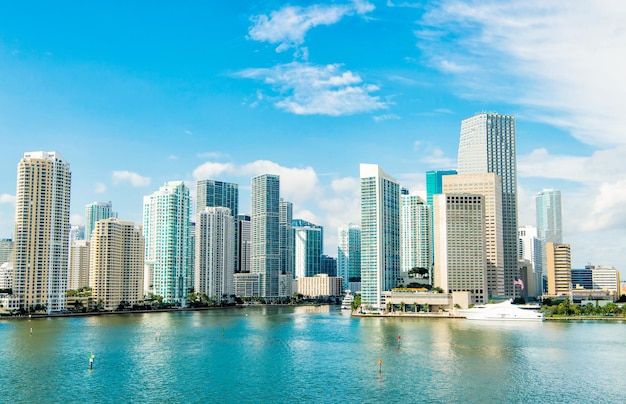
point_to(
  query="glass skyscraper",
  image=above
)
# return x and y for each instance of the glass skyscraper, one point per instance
(309, 240)
(548, 204)
(96, 211)
(487, 145)
(349, 254)
(415, 233)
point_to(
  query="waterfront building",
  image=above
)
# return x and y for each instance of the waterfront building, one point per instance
(308, 239)
(558, 269)
(329, 265)
(6, 275)
(6, 250)
(320, 285)
(116, 263)
(286, 239)
(415, 234)
(460, 238)
(349, 254)
(434, 186)
(42, 228)
(211, 193)
(530, 249)
(265, 216)
(489, 185)
(78, 273)
(606, 278)
(247, 284)
(380, 235)
(244, 243)
(191, 277)
(215, 252)
(96, 211)
(582, 278)
(166, 230)
(487, 145)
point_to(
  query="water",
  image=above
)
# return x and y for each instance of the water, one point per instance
(307, 354)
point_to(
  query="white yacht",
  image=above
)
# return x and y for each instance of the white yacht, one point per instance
(504, 311)
(346, 303)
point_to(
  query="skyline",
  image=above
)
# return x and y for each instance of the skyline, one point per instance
(135, 96)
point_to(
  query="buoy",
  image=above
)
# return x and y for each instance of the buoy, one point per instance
(91, 357)
(380, 366)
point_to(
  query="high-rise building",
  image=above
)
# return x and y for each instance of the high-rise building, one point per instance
(192, 255)
(245, 243)
(415, 234)
(460, 238)
(286, 242)
(548, 204)
(96, 211)
(215, 252)
(489, 186)
(308, 248)
(380, 235)
(166, 230)
(77, 232)
(329, 265)
(434, 186)
(116, 263)
(42, 228)
(78, 274)
(530, 249)
(211, 193)
(349, 254)
(265, 214)
(558, 268)
(6, 250)
(487, 145)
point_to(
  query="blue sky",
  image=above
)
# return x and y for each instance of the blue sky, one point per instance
(134, 94)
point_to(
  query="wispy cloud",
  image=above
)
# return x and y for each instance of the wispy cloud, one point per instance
(211, 155)
(211, 170)
(306, 89)
(133, 178)
(7, 198)
(288, 26)
(100, 188)
(386, 117)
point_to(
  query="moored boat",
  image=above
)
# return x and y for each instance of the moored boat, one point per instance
(504, 311)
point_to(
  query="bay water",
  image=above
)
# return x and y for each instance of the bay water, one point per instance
(307, 354)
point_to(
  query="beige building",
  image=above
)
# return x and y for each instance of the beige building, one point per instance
(460, 257)
(42, 228)
(320, 285)
(606, 278)
(116, 263)
(558, 269)
(78, 273)
(489, 185)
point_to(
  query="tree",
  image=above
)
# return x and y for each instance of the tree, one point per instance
(403, 306)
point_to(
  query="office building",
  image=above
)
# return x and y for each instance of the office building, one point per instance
(349, 254)
(558, 269)
(606, 278)
(548, 209)
(286, 242)
(78, 273)
(582, 278)
(489, 186)
(415, 234)
(96, 211)
(265, 216)
(215, 252)
(434, 186)
(460, 245)
(530, 249)
(320, 285)
(244, 243)
(166, 231)
(6, 250)
(116, 263)
(42, 228)
(308, 242)
(329, 265)
(487, 145)
(380, 235)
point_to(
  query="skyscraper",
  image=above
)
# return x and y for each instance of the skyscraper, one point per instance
(349, 254)
(215, 252)
(265, 214)
(558, 268)
(489, 186)
(548, 204)
(308, 248)
(166, 230)
(42, 228)
(380, 235)
(415, 233)
(245, 243)
(116, 263)
(78, 274)
(286, 243)
(487, 145)
(434, 186)
(96, 211)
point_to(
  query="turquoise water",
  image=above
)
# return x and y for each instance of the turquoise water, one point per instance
(307, 354)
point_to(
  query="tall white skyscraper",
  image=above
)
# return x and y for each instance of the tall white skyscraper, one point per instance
(308, 248)
(487, 145)
(215, 252)
(349, 254)
(265, 215)
(42, 228)
(548, 204)
(96, 211)
(380, 235)
(166, 230)
(415, 233)
(489, 186)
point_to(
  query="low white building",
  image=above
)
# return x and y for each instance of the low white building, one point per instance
(320, 285)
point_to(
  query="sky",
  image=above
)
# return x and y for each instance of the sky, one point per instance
(135, 94)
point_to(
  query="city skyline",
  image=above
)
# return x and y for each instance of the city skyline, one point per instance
(226, 94)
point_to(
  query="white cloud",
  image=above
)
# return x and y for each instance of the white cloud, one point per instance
(77, 220)
(289, 25)
(7, 198)
(133, 178)
(608, 207)
(211, 155)
(386, 117)
(307, 89)
(210, 170)
(100, 188)
(348, 185)
(296, 184)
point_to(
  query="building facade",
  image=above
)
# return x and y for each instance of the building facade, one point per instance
(487, 145)
(78, 273)
(415, 234)
(320, 285)
(244, 244)
(349, 254)
(558, 269)
(308, 242)
(6, 250)
(96, 211)
(42, 228)
(286, 242)
(380, 235)
(166, 230)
